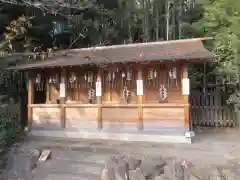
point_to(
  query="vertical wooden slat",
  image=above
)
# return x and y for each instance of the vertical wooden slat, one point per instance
(30, 99)
(199, 107)
(108, 90)
(140, 102)
(220, 119)
(202, 103)
(216, 104)
(211, 107)
(185, 97)
(76, 98)
(207, 108)
(62, 100)
(99, 102)
(48, 92)
(194, 116)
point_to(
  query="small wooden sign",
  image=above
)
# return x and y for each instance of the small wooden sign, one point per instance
(98, 88)
(140, 87)
(44, 156)
(62, 90)
(185, 86)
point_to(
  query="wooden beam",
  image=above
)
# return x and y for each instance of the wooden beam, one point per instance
(99, 101)
(30, 100)
(79, 105)
(140, 103)
(185, 97)
(62, 100)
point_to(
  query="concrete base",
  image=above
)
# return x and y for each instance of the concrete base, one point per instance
(190, 134)
(122, 136)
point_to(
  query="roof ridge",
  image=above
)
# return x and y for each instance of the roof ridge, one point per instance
(138, 44)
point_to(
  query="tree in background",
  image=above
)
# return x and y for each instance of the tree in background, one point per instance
(78, 23)
(221, 20)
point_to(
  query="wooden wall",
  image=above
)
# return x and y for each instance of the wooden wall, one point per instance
(81, 117)
(116, 115)
(44, 117)
(114, 119)
(112, 92)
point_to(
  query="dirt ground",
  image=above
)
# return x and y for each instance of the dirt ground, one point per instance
(83, 159)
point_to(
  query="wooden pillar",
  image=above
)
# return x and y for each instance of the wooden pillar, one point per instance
(99, 99)
(48, 92)
(140, 102)
(185, 97)
(30, 99)
(62, 98)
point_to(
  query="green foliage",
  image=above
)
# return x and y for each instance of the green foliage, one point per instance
(221, 20)
(15, 39)
(9, 122)
(15, 35)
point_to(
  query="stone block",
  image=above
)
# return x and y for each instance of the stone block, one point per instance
(136, 175)
(108, 174)
(174, 170)
(32, 159)
(152, 166)
(133, 163)
(121, 170)
(161, 177)
(109, 170)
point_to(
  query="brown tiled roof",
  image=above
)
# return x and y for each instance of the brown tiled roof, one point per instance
(189, 49)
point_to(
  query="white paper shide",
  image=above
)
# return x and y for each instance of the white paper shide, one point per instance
(185, 86)
(62, 90)
(98, 88)
(140, 87)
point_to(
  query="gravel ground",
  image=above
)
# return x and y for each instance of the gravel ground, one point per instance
(81, 159)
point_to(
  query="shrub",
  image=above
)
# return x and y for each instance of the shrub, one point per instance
(9, 122)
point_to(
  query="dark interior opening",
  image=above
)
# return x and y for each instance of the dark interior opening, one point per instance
(40, 92)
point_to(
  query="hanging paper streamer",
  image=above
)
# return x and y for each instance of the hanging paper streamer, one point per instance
(109, 77)
(98, 88)
(163, 92)
(91, 93)
(125, 93)
(150, 74)
(172, 81)
(72, 78)
(140, 87)
(62, 90)
(38, 82)
(52, 79)
(123, 77)
(113, 79)
(90, 77)
(155, 74)
(113, 75)
(38, 79)
(129, 75)
(172, 73)
(185, 86)
(85, 80)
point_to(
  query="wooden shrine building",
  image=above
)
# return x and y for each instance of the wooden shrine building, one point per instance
(120, 91)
